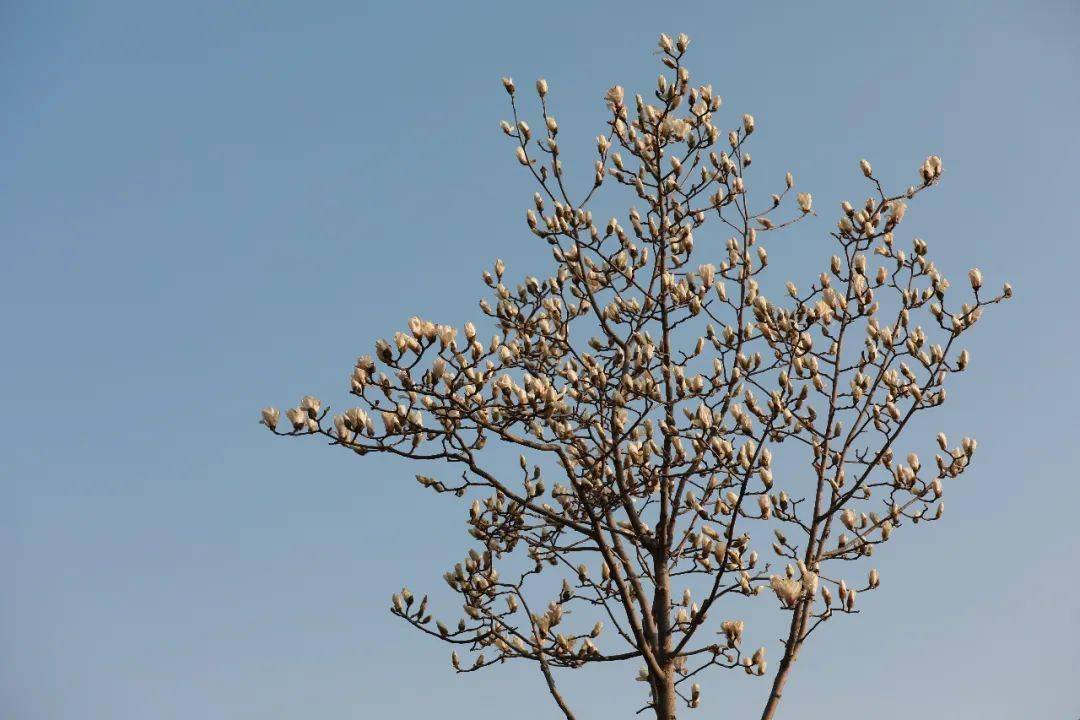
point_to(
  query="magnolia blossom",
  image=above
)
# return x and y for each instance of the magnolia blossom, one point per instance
(787, 590)
(270, 417)
(805, 200)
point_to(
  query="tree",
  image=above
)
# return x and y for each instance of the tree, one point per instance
(647, 394)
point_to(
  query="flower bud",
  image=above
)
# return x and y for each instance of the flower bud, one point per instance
(311, 405)
(270, 417)
(976, 278)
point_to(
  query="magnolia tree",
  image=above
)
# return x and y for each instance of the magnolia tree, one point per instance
(647, 390)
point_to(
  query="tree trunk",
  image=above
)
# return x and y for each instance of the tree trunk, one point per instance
(665, 696)
(777, 690)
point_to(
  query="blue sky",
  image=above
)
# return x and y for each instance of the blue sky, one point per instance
(210, 207)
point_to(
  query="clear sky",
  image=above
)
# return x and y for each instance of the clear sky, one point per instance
(207, 207)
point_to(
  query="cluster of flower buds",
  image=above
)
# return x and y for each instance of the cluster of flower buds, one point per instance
(655, 384)
(303, 418)
(756, 664)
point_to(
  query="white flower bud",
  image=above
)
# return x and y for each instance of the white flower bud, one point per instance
(866, 169)
(849, 601)
(976, 278)
(805, 200)
(848, 518)
(270, 417)
(311, 405)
